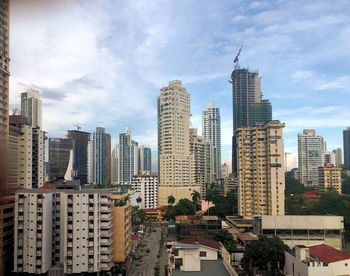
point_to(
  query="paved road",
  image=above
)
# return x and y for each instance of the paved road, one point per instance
(148, 261)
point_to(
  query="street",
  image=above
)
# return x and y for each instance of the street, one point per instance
(143, 264)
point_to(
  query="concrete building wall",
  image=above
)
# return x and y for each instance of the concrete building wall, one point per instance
(146, 186)
(330, 178)
(176, 172)
(261, 182)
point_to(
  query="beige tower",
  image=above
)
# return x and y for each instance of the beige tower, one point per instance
(330, 178)
(261, 169)
(200, 148)
(176, 175)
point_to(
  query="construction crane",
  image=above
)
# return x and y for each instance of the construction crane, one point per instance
(236, 58)
(78, 126)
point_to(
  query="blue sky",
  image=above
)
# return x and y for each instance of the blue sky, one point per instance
(102, 63)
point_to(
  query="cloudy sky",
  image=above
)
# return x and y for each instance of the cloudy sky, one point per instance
(102, 63)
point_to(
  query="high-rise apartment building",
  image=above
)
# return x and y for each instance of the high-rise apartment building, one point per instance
(310, 156)
(200, 148)
(145, 159)
(80, 141)
(211, 131)
(260, 153)
(6, 193)
(146, 187)
(114, 164)
(224, 170)
(338, 157)
(121, 231)
(90, 162)
(5, 74)
(346, 148)
(27, 146)
(330, 178)
(128, 157)
(31, 107)
(67, 228)
(248, 106)
(59, 154)
(176, 172)
(102, 157)
(329, 157)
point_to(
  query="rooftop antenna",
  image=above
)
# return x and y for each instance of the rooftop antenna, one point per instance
(78, 126)
(236, 58)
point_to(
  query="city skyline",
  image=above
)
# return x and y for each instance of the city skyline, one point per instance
(307, 87)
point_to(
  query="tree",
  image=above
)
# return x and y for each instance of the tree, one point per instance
(264, 254)
(346, 185)
(226, 239)
(139, 200)
(171, 199)
(195, 198)
(184, 207)
(141, 215)
(210, 196)
(293, 186)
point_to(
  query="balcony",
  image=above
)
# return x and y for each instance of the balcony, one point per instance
(106, 225)
(70, 235)
(70, 262)
(38, 253)
(70, 226)
(106, 217)
(106, 258)
(70, 201)
(39, 235)
(91, 243)
(106, 241)
(106, 233)
(70, 244)
(20, 217)
(106, 266)
(91, 252)
(106, 250)
(91, 261)
(38, 262)
(38, 244)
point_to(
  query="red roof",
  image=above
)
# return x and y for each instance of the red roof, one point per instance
(313, 196)
(201, 241)
(327, 254)
(170, 238)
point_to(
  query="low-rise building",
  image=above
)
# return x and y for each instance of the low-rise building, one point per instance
(197, 226)
(316, 260)
(187, 254)
(330, 178)
(302, 230)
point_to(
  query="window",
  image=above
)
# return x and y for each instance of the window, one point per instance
(202, 254)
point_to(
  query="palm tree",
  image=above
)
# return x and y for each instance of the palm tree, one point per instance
(139, 200)
(210, 196)
(195, 198)
(171, 199)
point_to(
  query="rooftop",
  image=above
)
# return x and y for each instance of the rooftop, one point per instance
(327, 254)
(201, 241)
(208, 268)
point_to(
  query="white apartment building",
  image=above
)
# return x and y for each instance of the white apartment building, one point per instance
(176, 171)
(146, 187)
(261, 182)
(211, 131)
(63, 227)
(31, 107)
(329, 158)
(310, 156)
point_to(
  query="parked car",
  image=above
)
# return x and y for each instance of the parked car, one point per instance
(148, 250)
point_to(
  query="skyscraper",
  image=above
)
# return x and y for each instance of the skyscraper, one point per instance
(310, 156)
(31, 107)
(4, 76)
(6, 195)
(211, 131)
(248, 106)
(346, 148)
(145, 159)
(176, 174)
(200, 148)
(338, 157)
(90, 162)
(128, 157)
(260, 153)
(80, 141)
(59, 153)
(114, 163)
(101, 157)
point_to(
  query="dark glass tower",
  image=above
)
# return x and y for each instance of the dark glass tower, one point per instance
(79, 142)
(346, 144)
(248, 106)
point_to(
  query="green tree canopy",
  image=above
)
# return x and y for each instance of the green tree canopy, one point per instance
(293, 186)
(264, 254)
(171, 199)
(226, 239)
